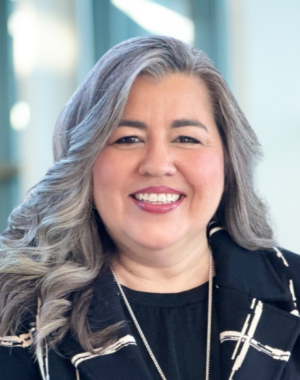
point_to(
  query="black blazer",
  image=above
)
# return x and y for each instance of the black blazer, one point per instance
(256, 300)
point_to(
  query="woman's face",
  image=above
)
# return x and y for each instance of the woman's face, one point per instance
(166, 147)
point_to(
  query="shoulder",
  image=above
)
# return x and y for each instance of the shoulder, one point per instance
(268, 273)
(24, 333)
(293, 259)
(289, 261)
(293, 264)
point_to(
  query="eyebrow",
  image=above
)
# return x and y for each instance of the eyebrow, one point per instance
(175, 124)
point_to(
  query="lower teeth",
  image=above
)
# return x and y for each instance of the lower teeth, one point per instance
(157, 203)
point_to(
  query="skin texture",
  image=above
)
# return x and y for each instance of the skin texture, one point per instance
(162, 252)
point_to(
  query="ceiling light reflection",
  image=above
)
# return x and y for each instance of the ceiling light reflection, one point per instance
(157, 19)
(41, 41)
(20, 116)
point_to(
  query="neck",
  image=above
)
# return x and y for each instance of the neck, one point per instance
(171, 276)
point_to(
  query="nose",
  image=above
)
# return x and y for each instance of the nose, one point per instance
(158, 161)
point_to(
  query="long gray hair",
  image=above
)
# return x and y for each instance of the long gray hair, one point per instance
(56, 244)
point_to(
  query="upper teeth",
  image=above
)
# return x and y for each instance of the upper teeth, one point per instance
(157, 197)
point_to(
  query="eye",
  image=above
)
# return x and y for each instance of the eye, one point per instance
(128, 140)
(187, 140)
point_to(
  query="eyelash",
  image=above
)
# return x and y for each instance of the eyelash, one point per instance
(126, 140)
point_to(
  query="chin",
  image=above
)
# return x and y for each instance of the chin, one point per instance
(157, 243)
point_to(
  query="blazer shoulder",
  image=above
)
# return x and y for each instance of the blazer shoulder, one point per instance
(290, 256)
(293, 262)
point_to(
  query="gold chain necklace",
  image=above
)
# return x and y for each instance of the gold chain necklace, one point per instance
(209, 321)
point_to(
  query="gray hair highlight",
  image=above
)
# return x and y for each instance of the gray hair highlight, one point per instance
(56, 244)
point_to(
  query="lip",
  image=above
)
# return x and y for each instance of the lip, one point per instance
(159, 190)
(157, 209)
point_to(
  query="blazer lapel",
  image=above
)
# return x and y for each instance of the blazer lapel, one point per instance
(254, 304)
(121, 359)
(256, 338)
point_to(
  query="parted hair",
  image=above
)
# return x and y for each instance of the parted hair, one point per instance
(56, 243)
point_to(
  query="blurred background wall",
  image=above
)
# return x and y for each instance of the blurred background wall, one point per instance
(48, 46)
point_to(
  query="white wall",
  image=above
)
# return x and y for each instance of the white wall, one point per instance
(265, 78)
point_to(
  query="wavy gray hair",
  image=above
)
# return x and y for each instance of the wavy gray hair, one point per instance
(56, 244)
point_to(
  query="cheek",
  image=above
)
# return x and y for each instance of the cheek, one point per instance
(107, 185)
(104, 183)
(107, 173)
(207, 171)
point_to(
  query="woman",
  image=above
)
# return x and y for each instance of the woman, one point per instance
(144, 252)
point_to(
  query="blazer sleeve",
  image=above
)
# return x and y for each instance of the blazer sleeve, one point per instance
(17, 363)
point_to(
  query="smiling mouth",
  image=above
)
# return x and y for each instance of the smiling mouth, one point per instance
(157, 199)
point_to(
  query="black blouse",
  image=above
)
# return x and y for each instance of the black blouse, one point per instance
(175, 326)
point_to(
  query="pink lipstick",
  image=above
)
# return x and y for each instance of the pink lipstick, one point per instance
(159, 207)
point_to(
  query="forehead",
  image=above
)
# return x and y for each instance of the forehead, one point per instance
(179, 85)
(178, 94)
